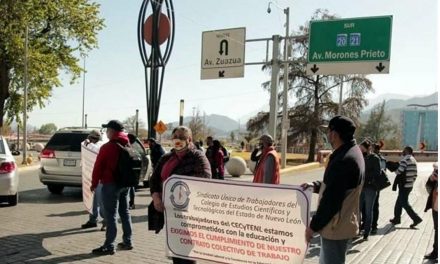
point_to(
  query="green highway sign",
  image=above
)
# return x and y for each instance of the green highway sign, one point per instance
(354, 45)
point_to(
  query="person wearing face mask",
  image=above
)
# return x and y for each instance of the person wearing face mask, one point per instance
(406, 175)
(184, 159)
(267, 169)
(336, 218)
(369, 190)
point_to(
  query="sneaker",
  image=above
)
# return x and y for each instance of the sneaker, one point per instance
(431, 255)
(415, 223)
(131, 207)
(373, 231)
(123, 246)
(365, 237)
(103, 227)
(89, 225)
(394, 221)
(103, 251)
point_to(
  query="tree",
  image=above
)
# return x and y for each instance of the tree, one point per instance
(232, 136)
(198, 127)
(58, 31)
(47, 129)
(315, 94)
(379, 126)
(130, 124)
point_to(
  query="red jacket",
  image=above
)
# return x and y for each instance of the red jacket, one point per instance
(107, 160)
(260, 169)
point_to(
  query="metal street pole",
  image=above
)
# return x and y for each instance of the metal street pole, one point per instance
(137, 122)
(182, 104)
(25, 95)
(340, 95)
(285, 122)
(84, 91)
(274, 87)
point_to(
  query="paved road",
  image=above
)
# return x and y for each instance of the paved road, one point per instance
(44, 228)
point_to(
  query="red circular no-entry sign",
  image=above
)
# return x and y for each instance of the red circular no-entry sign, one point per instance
(164, 29)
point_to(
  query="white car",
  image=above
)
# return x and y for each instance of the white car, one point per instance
(60, 159)
(8, 175)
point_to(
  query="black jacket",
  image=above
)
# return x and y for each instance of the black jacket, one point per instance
(194, 163)
(344, 171)
(156, 153)
(372, 170)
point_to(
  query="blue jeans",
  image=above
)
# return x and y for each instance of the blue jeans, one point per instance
(402, 202)
(98, 207)
(368, 197)
(333, 251)
(116, 199)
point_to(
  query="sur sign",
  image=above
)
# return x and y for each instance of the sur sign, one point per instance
(223, 53)
(354, 45)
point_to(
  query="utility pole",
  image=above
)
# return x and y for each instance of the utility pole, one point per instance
(25, 95)
(84, 92)
(285, 122)
(137, 123)
(274, 87)
(182, 105)
(85, 122)
(340, 95)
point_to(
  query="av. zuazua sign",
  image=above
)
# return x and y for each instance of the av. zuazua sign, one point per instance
(355, 45)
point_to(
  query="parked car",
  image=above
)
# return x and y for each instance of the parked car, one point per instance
(60, 160)
(8, 175)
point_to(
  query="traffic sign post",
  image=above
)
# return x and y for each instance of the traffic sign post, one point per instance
(223, 53)
(354, 45)
(160, 127)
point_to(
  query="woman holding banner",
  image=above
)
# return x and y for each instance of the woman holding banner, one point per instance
(184, 159)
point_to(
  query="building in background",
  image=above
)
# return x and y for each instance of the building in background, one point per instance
(420, 125)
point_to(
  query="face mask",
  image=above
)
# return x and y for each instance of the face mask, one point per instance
(179, 144)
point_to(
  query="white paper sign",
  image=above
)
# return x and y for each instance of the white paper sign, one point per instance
(88, 158)
(235, 222)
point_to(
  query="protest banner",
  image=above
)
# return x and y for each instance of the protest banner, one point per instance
(88, 158)
(235, 222)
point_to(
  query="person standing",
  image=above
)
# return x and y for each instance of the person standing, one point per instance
(210, 153)
(336, 218)
(94, 143)
(267, 169)
(156, 151)
(383, 168)
(184, 159)
(369, 190)
(432, 203)
(405, 177)
(217, 167)
(114, 198)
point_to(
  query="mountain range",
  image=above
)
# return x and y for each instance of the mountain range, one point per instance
(222, 126)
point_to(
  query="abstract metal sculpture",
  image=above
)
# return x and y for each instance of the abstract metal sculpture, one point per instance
(157, 29)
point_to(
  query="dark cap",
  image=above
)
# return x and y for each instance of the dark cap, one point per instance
(114, 124)
(95, 134)
(343, 125)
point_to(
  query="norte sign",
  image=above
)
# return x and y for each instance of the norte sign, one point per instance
(223, 53)
(354, 45)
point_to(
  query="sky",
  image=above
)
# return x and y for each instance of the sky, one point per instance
(115, 84)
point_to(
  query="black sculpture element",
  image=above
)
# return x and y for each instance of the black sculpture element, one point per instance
(155, 59)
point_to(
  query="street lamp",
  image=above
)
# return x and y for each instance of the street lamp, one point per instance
(182, 103)
(84, 92)
(285, 121)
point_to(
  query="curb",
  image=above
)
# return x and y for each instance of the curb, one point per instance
(302, 167)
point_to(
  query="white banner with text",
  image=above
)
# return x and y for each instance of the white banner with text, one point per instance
(235, 222)
(88, 158)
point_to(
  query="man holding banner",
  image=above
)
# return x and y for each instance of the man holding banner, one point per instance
(184, 159)
(336, 218)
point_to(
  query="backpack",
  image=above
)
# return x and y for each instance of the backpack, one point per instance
(129, 166)
(225, 154)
